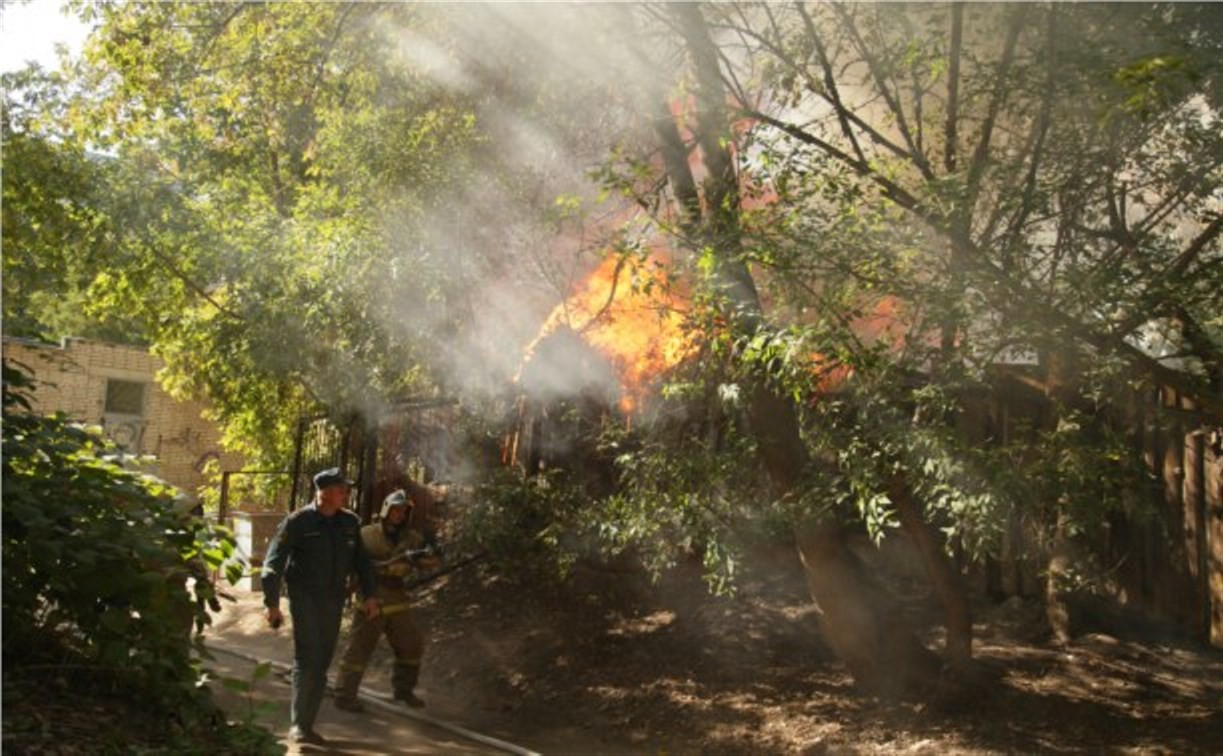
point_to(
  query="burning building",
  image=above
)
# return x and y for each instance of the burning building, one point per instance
(600, 354)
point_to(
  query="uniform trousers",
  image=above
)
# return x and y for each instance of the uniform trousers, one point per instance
(395, 621)
(316, 627)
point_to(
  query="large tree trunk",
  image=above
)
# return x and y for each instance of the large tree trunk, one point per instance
(1057, 605)
(1060, 388)
(862, 624)
(939, 568)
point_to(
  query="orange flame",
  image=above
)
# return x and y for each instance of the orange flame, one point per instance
(624, 311)
(881, 324)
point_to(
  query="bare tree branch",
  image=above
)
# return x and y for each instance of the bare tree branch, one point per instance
(981, 154)
(1009, 294)
(830, 82)
(881, 84)
(950, 130)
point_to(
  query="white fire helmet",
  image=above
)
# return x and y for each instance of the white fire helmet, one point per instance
(396, 498)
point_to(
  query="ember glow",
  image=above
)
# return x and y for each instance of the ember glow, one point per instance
(624, 311)
(882, 324)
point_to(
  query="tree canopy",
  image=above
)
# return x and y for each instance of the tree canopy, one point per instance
(884, 215)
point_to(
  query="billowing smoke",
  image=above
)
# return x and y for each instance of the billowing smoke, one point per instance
(553, 87)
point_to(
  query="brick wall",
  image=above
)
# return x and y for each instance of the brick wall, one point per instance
(115, 386)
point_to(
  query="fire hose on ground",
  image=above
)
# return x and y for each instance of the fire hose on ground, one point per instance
(386, 703)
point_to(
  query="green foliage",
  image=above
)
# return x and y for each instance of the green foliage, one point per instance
(672, 503)
(247, 736)
(681, 493)
(99, 563)
(281, 211)
(912, 276)
(524, 523)
(59, 225)
(1082, 469)
(258, 208)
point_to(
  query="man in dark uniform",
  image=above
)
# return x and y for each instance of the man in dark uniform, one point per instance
(314, 552)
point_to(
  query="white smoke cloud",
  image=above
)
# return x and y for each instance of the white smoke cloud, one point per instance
(553, 86)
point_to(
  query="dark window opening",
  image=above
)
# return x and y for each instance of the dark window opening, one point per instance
(125, 397)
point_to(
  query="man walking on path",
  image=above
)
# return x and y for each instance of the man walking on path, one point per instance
(313, 553)
(397, 549)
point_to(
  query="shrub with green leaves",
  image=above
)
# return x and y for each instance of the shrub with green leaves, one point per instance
(523, 521)
(100, 562)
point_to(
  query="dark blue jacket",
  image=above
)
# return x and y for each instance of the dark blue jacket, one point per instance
(314, 554)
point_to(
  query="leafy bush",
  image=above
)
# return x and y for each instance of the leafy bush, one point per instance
(523, 522)
(98, 563)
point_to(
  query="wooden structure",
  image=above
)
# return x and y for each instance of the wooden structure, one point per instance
(1164, 549)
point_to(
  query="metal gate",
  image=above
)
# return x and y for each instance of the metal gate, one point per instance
(413, 438)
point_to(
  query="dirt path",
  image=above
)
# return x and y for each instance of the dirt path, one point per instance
(239, 635)
(373, 732)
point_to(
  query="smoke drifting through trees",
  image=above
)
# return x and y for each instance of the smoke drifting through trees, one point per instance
(551, 87)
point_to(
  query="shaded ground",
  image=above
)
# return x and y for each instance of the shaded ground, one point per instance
(240, 629)
(674, 670)
(382, 728)
(613, 665)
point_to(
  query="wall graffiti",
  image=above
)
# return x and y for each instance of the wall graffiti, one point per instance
(126, 432)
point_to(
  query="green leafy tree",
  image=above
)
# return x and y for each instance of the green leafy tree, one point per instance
(59, 230)
(895, 201)
(305, 214)
(913, 197)
(275, 168)
(1011, 181)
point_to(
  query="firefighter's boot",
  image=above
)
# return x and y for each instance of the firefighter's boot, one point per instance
(347, 683)
(403, 680)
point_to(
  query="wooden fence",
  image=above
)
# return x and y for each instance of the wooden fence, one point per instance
(1164, 550)
(1175, 566)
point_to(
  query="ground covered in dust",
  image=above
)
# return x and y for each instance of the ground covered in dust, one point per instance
(626, 667)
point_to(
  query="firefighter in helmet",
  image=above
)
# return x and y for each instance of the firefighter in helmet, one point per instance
(396, 550)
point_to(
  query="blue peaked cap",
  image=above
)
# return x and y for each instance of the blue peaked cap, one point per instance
(330, 477)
